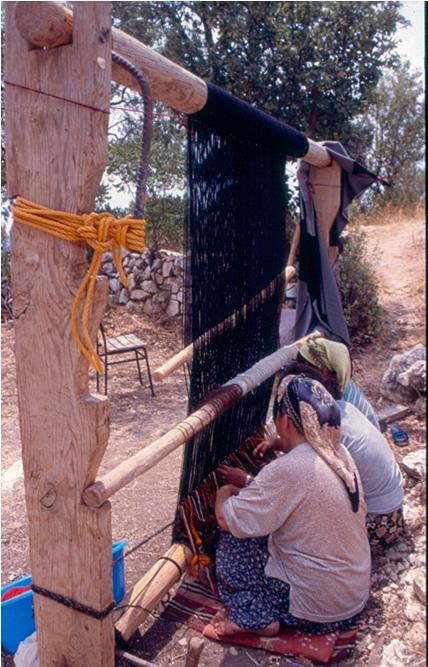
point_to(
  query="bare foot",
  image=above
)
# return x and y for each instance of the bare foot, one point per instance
(219, 617)
(228, 627)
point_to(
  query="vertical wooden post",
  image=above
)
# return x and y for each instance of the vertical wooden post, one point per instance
(325, 184)
(57, 105)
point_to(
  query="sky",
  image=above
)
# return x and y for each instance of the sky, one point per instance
(412, 38)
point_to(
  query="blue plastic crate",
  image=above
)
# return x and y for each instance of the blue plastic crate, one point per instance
(17, 615)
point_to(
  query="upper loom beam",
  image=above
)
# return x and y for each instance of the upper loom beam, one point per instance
(50, 24)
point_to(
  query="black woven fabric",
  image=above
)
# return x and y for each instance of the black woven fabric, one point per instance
(236, 246)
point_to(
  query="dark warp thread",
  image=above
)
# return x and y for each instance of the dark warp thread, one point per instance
(235, 247)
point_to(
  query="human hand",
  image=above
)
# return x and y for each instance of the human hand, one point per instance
(270, 444)
(230, 475)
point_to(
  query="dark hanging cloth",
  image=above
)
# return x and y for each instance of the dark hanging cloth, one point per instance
(318, 300)
(236, 247)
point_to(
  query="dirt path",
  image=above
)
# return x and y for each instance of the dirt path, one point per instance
(397, 253)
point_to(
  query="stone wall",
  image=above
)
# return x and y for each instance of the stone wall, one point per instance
(155, 282)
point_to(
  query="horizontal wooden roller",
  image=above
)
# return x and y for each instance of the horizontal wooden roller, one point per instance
(186, 354)
(50, 25)
(152, 587)
(214, 405)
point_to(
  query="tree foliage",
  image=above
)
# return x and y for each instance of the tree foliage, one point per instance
(314, 64)
(397, 121)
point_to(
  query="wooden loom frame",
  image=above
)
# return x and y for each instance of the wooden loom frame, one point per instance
(58, 79)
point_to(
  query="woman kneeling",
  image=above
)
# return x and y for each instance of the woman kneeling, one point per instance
(293, 548)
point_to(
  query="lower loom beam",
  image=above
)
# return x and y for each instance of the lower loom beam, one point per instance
(215, 405)
(151, 588)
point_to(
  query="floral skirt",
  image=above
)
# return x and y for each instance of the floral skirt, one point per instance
(384, 529)
(252, 599)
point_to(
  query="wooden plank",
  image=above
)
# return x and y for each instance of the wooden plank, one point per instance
(134, 660)
(325, 184)
(392, 412)
(51, 23)
(57, 106)
(152, 587)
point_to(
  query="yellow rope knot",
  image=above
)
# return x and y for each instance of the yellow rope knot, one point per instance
(102, 232)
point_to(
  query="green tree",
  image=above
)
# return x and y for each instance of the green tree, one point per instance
(397, 121)
(314, 64)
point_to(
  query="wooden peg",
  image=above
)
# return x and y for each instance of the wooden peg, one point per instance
(196, 646)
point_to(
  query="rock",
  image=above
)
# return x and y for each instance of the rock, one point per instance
(166, 269)
(114, 285)
(131, 282)
(414, 464)
(419, 585)
(420, 407)
(108, 268)
(123, 296)
(414, 612)
(413, 518)
(138, 295)
(158, 278)
(394, 554)
(179, 297)
(414, 377)
(149, 287)
(134, 307)
(173, 308)
(416, 637)
(175, 287)
(397, 654)
(148, 308)
(391, 387)
(146, 273)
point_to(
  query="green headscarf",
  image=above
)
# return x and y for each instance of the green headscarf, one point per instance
(328, 356)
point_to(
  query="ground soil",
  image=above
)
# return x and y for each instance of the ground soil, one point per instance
(396, 251)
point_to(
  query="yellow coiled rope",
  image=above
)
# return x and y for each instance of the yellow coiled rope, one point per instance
(102, 232)
(198, 559)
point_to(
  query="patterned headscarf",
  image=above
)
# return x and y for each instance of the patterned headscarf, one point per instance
(316, 415)
(329, 356)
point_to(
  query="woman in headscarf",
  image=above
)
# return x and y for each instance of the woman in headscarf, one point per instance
(333, 359)
(293, 548)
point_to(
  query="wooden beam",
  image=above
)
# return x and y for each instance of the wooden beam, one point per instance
(57, 105)
(177, 361)
(186, 354)
(325, 183)
(152, 587)
(134, 660)
(49, 24)
(214, 406)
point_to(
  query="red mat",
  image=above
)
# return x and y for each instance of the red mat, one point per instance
(195, 604)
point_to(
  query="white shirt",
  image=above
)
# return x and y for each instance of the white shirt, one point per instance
(380, 475)
(317, 544)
